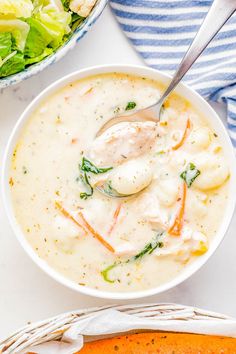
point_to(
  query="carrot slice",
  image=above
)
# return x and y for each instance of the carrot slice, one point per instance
(68, 215)
(74, 141)
(176, 228)
(115, 219)
(96, 234)
(181, 142)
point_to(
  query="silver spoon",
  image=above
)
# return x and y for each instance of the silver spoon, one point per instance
(109, 191)
(219, 13)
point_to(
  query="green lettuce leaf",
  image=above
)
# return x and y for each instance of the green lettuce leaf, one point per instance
(76, 20)
(37, 40)
(66, 4)
(5, 44)
(13, 65)
(46, 53)
(56, 21)
(19, 30)
(16, 8)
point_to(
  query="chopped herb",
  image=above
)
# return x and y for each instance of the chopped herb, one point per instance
(116, 110)
(11, 182)
(148, 249)
(88, 166)
(190, 174)
(24, 169)
(130, 105)
(161, 152)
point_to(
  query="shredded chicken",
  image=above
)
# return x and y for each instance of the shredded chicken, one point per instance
(82, 7)
(123, 141)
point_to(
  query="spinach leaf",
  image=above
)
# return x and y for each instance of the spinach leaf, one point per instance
(190, 174)
(106, 271)
(148, 249)
(88, 166)
(85, 167)
(130, 105)
(85, 180)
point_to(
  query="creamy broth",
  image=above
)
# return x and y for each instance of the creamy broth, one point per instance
(174, 177)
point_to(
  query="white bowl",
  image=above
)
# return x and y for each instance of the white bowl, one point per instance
(60, 52)
(183, 90)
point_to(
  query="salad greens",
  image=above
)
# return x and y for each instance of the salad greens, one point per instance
(148, 249)
(31, 30)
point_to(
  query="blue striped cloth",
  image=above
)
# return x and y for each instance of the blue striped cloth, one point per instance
(162, 30)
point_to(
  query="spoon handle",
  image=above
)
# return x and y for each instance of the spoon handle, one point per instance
(219, 13)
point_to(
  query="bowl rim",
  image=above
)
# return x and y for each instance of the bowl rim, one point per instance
(78, 34)
(142, 71)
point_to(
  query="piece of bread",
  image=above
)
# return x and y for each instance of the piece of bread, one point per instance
(162, 343)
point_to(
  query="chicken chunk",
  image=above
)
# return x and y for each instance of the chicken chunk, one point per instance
(82, 7)
(123, 141)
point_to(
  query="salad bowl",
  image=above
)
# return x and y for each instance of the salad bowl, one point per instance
(76, 35)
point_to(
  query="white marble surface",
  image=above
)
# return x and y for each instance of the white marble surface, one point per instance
(26, 293)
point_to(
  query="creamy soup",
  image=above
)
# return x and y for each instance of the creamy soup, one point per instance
(127, 210)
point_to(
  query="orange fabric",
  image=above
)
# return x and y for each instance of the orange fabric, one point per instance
(162, 343)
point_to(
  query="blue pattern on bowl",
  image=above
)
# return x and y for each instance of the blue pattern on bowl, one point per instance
(53, 58)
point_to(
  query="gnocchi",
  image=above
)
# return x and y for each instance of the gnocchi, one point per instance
(199, 139)
(214, 170)
(132, 177)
